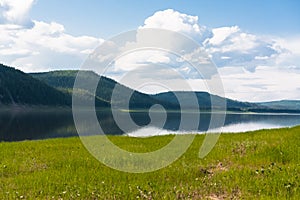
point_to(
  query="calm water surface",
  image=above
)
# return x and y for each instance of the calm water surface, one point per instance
(41, 124)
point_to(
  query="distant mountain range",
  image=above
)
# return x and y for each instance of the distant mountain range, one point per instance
(55, 89)
(64, 80)
(284, 104)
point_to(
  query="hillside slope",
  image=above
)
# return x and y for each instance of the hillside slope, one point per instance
(64, 80)
(17, 87)
(284, 104)
(204, 100)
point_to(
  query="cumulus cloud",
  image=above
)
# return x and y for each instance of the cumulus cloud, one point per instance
(138, 59)
(33, 45)
(220, 34)
(266, 71)
(152, 63)
(44, 46)
(175, 21)
(253, 67)
(15, 12)
(230, 46)
(267, 83)
(290, 58)
(227, 46)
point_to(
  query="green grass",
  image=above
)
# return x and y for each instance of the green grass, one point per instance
(256, 165)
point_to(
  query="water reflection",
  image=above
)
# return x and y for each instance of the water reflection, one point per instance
(35, 124)
(41, 124)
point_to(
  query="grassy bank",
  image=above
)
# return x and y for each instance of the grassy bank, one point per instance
(255, 165)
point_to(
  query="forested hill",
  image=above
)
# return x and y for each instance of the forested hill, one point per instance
(65, 80)
(204, 100)
(17, 87)
(283, 104)
(56, 89)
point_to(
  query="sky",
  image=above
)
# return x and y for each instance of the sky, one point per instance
(254, 44)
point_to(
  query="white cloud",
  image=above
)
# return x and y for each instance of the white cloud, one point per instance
(228, 39)
(261, 57)
(253, 67)
(291, 43)
(228, 46)
(44, 46)
(175, 21)
(290, 58)
(138, 59)
(267, 83)
(16, 11)
(33, 45)
(152, 63)
(220, 34)
(242, 49)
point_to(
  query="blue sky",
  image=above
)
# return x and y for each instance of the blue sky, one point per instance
(107, 18)
(254, 44)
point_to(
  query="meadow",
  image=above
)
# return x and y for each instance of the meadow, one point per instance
(253, 165)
